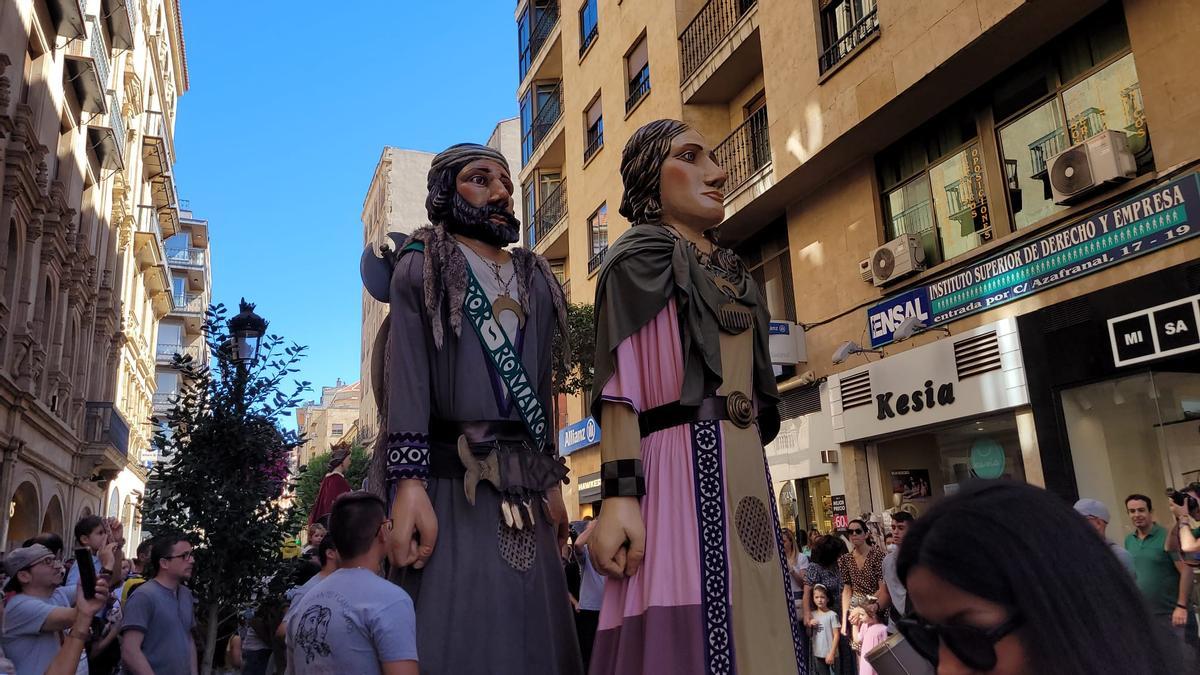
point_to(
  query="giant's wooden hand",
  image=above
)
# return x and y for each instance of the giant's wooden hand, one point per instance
(618, 542)
(412, 514)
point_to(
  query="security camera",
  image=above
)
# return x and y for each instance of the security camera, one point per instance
(850, 347)
(844, 351)
(912, 325)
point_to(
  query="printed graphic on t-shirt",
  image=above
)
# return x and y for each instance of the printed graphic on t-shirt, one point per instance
(314, 624)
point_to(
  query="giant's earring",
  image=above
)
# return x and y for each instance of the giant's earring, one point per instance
(652, 212)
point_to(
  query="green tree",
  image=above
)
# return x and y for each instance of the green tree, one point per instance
(309, 483)
(574, 374)
(225, 466)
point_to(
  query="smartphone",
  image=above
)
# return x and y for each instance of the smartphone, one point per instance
(87, 572)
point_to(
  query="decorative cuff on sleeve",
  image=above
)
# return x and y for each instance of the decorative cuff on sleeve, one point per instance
(407, 455)
(622, 478)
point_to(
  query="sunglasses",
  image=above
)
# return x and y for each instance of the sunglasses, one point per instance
(975, 647)
(855, 530)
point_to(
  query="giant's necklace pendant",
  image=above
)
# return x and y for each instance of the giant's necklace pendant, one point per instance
(506, 302)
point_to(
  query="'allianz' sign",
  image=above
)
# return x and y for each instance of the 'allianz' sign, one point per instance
(582, 434)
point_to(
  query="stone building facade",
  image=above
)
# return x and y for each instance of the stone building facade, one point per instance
(88, 96)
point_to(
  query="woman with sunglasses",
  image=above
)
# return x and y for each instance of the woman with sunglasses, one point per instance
(862, 574)
(1006, 578)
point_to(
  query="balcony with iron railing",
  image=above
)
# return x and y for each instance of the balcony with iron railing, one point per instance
(745, 151)
(546, 220)
(109, 142)
(186, 256)
(162, 401)
(117, 121)
(105, 429)
(639, 87)
(156, 141)
(539, 35)
(165, 353)
(595, 141)
(98, 50)
(842, 46)
(597, 259)
(86, 69)
(544, 122)
(711, 27)
(190, 303)
(122, 21)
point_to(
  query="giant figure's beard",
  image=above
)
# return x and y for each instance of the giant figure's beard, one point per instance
(476, 222)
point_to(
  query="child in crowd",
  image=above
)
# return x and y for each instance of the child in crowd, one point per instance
(873, 632)
(825, 633)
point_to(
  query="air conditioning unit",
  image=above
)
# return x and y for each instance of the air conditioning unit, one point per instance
(829, 456)
(864, 268)
(1088, 166)
(897, 258)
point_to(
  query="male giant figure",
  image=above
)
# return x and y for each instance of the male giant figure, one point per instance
(465, 459)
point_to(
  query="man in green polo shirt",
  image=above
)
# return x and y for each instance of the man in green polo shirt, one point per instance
(1165, 580)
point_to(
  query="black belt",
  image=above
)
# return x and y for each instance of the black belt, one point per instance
(477, 433)
(736, 408)
(443, 441)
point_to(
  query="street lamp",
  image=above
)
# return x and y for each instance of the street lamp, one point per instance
(246, 331)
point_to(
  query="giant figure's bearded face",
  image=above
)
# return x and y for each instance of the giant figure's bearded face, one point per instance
(482, 206)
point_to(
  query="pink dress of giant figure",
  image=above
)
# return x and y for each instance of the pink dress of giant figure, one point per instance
(688, 533)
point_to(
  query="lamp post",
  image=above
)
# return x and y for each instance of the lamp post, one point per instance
(246, 331)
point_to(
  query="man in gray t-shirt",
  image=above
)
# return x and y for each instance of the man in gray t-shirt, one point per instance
(35, 617)
(354, 621)
(156, 634)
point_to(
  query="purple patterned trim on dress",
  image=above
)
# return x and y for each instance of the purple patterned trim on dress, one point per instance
(714, 553)
(407, 455)
(797, 642)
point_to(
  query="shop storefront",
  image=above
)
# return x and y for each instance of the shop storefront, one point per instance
(939, 415)
(1117, 392)
(589, 495)
(804, 461)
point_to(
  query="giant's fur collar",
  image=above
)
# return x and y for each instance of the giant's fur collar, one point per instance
(445, 280)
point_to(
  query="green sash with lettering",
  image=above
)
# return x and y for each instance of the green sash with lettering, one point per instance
(502, 355)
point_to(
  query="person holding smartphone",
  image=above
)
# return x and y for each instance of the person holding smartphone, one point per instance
(36, 619)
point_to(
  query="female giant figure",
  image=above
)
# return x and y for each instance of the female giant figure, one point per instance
(685, 396)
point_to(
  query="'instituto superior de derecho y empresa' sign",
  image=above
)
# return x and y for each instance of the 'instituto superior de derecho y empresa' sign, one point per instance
(1153, 219)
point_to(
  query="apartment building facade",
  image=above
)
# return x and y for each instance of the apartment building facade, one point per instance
(88, 96)
(1016, 179)
(328, 422)
(181, 331)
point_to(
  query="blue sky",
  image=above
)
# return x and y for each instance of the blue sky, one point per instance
(290, 106)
